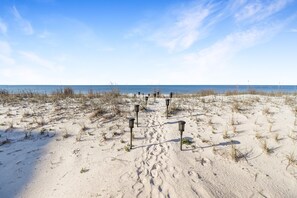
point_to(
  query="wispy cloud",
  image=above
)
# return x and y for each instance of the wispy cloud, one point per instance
(39, 61)
(185, 29)
(24, 24)
(217, 56)
(186, 25)
(258, 10)
(223, 50)
(294, 30)
(181, 26)
(5, 53)
(3, 27)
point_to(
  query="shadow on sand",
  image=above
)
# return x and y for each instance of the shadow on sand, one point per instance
(19, 156)
(232, 142)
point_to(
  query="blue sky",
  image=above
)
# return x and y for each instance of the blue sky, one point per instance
(148, 42)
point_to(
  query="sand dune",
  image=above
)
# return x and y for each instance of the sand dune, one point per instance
(239, 146)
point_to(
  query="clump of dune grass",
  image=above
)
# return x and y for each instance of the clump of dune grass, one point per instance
(127, 148)
(215, 150)
(291, 158)
(277, 137)
(266, 148)
(83, 127)
(266, 111)
(60, 94)
(66, 134)
(207, 92)
(226, 135)
(79, 135)
(234, 153)
(289, 100)
(112, 97)
(175, 107)
(258, 135)
(84, 170)
(231, 93)
(187, 141)
(237, 155)
(116, 110)
(40, 122)
(234, 129)
(99, 111)
(236, 107)
(104, 137)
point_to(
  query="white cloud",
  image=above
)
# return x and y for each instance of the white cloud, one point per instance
(39, 61)
(24, 24)
(3, 27)
(223, 50)
(259, 10)
(185, 25)
(185, 30)
(180, 27)
(294, 30)
(215, 59)
(5, 53)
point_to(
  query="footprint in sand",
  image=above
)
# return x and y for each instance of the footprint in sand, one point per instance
(195, 177)
(138, 186)
(155, 169)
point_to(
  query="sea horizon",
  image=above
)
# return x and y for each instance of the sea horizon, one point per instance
(128, 89)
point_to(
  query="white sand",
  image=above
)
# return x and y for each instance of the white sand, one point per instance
(50, 165)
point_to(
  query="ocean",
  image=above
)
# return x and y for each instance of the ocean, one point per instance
(149, 88)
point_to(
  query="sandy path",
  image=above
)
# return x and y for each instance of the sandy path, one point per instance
(158, 171)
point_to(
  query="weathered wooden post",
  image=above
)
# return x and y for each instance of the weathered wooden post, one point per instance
(170, 95)
(155, 95)
(181, 128)
(146, 99)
